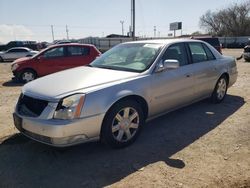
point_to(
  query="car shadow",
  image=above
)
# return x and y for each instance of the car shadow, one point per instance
(26, 163)
(12, 83)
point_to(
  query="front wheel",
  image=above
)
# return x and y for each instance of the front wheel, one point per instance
(1, 59)
(220, 90)
(27, 76)
(122, 124)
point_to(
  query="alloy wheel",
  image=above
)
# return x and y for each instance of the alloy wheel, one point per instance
(125, 124)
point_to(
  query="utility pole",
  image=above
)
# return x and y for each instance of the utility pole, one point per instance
(122, 22)
(67, 32)
(52, 31)
(154, 31)
(133, 18)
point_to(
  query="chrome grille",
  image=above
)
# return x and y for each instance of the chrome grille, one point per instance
(28, 106)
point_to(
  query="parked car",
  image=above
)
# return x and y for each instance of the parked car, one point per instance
(112, 97)
(13, 44)
(15, 53)
(53, 59)
(246, 53)
(213, 41)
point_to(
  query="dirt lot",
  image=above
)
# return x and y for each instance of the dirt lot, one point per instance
(203, 145)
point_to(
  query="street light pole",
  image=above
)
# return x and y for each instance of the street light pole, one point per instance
(122, 22)
(133, 18)
(52, 32)
(67, 32)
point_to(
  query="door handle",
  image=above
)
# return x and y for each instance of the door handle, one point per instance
(188, 75)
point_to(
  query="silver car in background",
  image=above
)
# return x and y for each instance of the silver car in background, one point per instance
(113, 97)
(15, 53)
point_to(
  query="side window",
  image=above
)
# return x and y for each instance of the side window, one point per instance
(197, 51)
(85, 50)
(77, 51)
(54, 52)
(210, 55)
(177, 52)
(21, 50)
(12, 50)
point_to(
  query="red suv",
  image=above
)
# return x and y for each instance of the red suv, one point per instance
(53, 59)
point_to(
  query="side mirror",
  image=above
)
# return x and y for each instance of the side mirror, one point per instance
(41, 57)
(171, 64)
(167, 64)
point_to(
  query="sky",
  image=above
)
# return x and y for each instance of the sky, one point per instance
(32, 19)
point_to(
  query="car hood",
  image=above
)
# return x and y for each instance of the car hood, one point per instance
(21, 60)
(81, 79)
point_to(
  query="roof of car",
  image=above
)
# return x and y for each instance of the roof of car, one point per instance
(70, 44)
(20, 48)
(164, 41)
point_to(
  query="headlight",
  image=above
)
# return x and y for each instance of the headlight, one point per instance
(70, 107)
(14, 66)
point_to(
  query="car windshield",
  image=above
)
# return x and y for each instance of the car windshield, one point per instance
(134, 57)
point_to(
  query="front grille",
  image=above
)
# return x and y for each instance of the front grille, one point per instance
(28, 106)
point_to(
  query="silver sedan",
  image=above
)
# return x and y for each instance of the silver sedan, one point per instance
(15, 53)
(113, 97)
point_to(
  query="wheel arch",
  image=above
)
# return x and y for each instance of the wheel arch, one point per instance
(26, 69)
(133, 97)
(226, 75)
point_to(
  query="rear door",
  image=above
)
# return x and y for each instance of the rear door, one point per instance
(205, 72)
(175, 87)
(77, 56)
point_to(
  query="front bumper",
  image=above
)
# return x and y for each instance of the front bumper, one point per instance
(60, 133)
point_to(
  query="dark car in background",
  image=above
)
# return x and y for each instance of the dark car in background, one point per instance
(246, 53)
(53, 59)
(12, 44)
(213, 41)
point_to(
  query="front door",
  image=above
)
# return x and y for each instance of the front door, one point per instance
(175, 87)
(51, 61)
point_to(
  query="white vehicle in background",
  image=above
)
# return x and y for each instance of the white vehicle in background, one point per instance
(15, 53)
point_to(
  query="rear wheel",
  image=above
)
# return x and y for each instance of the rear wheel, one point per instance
(1, 59)
(220, 90)
(122, 124)
(27, 75)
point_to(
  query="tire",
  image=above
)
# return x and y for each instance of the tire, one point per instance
(1, 59)
(122, 124)
(27, 76)
(220, 90)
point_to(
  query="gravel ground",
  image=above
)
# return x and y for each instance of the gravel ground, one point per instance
(203, 145)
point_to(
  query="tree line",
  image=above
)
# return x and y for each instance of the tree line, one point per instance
(231, 21)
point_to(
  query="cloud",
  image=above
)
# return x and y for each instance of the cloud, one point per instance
(14, 32)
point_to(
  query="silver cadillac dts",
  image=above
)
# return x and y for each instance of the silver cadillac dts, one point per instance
(111, 98)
